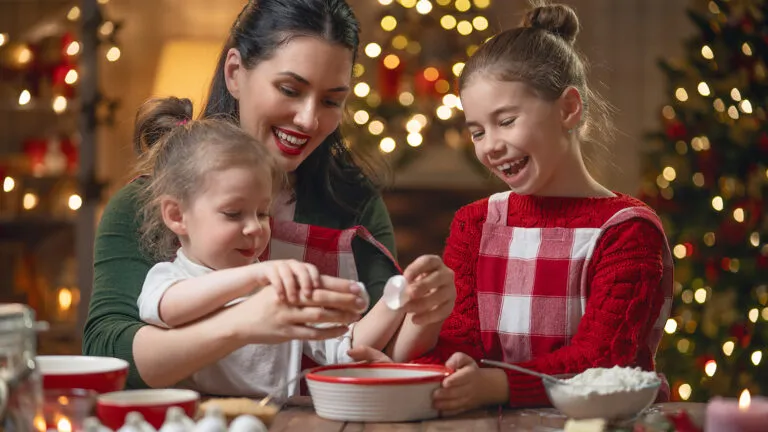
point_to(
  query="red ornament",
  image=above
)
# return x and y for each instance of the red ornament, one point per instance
(741, 333)
(762, 261)
(34, 149)
(711, 271)
(389, 81)
(676, 130)
(682, 422)
(70, 150)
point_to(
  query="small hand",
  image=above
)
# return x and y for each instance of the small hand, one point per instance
(368, 354)
(462, 390)
(431, 290)
(291, 279)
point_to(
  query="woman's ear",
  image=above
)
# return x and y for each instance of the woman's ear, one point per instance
(571, 108)
(233, 71)
(173, 215)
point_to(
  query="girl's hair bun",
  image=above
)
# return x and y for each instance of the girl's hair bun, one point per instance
(558, 19)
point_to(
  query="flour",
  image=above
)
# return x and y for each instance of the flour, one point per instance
(606, 381)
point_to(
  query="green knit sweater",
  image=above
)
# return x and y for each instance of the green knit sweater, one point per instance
(120, 269)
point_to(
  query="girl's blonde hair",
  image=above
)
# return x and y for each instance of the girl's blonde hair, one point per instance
(175, 155)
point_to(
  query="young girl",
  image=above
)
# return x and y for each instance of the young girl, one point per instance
(559, 274)
(211, 192)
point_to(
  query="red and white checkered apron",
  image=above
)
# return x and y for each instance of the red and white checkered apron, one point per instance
(532, 282)
(329, 249)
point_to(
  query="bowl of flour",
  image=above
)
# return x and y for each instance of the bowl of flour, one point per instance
(615, 393)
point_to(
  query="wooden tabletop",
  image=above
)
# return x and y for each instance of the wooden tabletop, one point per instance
(298, 415)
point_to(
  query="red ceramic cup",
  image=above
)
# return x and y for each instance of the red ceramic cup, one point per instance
(111, 408)
(101, 374)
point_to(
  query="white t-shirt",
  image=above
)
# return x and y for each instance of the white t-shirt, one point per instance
(253, 370)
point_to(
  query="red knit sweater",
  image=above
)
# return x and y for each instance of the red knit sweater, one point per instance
(624, 289)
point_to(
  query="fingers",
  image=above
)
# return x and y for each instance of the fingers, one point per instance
(440, 277)
(366, 353)
(313, 315)
(445, 294)
(340, 285)
(423, 264)
(288, 281)
(462, 364)
(452, 399)
(348, 301)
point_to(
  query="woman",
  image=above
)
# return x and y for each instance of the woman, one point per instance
(283, 75)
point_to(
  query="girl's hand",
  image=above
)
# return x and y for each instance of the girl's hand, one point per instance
(431, 290)
(365, 353)
(291, 279)
(469, 387)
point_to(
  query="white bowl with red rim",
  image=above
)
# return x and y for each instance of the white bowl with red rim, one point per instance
(111, 408)
(380, 392)
(101, 374)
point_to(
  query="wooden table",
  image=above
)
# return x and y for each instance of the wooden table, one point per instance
(298, 415)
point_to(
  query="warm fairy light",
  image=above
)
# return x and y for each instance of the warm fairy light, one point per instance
(450, 100)
(714, 8)
(75, 202)
(443, 2)
(679, 251)
(362, 89)
(671, 326)
(103, 2)
(683, 345)
(733, 112)
(3, 38)
(733, 265)
(414, 139)
(373, 100)
(753, 315)
(389, 23)
(717, 203)
(463, 5)
(413, 47)
(735, 94)
(385, 2)
(757, 357)
(399, 42)
(373, 50)
(668, 112)
(387, 145)
(65, 299)
(73, 13)
(113, 54)
(64, 425)
(442, 86)
(431, 74)
(458, 105)
(423, 7)
(361, 117)
(443, 112)
(59, 104)
(754, 239)
(413, 126)
(376, 127)
(707, 53)
(719, 105)
(8, 184)
(408, 3)
(71, 77)
(703, 89)
(746, 106)
(422, 119)
(25, 97)
(406, 98)
(698, 179)
(709, 239)
(482, 4)
(73, 48)
(464, 27)
(661, 182)
(700, 295)
(744, 400)
(684, 391)
(448, 22)
(107, 28)
(710, 368)
(681, 94)
(39, 423)
(24, 55)
(728, 348)
(480, 23)
(738, 215)
(667, 193)
(391, 61)
(681, 147)
(746, 49)
(669, 174)
(29, 201)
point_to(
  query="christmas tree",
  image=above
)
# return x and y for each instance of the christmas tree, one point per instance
(405, 96)
(707, 176)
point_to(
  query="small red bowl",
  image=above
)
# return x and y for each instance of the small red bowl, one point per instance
(111, 408)
(101, 374)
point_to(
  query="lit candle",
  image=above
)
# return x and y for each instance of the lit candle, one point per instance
(748, 414)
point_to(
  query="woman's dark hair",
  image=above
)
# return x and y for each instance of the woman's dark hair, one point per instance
(262, 27)
(540, 54)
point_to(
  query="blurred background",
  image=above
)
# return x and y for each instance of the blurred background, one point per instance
(72, 75)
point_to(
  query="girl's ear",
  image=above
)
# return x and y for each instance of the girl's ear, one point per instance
(233, 71)
(173, 215)
(571, 108)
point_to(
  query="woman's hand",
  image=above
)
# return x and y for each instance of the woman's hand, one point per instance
(365, 353)
(291, 279)
(431, 290)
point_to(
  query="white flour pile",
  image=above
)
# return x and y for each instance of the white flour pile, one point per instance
(606, 381)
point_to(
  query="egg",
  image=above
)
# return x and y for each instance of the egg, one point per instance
(212, 422)
(394, 295)
(177, 421)
(134, 422)
(92, 424)
(247, 423)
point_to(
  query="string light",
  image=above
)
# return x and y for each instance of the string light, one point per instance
(707, 53)
(698, 179)
(29, 201)
(373, 50)
(728, 348)
(442, 86)
(684, 391)
(75, 202)
(681, 147)
(422, 119)
(8, 184)
(413, 47)
(450, 100)
(361, 117)
(746, 49)
(669, 174)
(746, 106)
(661, 182)
(25, 97)
(423, 7)
(113, 54)
(389, 23)
(443, 112)
(687, 296)
(457, 68)
(764, 314)
(391, 61)
(738, 215)
(679, 251)
(24, 55)
(717, 203)
(448, 22)
(463, 5)
(710, 367)
(482, 4)
(408, 3)
(733, 112)
(753, 315)
(719, 105)
(385, 2)
(406, 98)
(714, 8)
(414, 139)
(376, 127)
(59, 104)
(107, 28)
(480, 23)
(668, 112)
(683, 345)
(757, 356)
(71, 77)
(735, 94)
(703, 89)
(464, 27)
(671, 326)
(754, 239)
(400, 42)
(681, 94)
(413, 126)
(73, 48)
(373, 100)
(73, 13)
(443, 2)
(387, 145)
(3, 38)
(700, 295)
(358, 70)
(431, 74)
(361, 89)
(709, 239)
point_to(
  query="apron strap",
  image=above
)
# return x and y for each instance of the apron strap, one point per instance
(498, 208)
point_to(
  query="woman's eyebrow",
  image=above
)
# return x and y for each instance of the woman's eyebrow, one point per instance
(304, 81)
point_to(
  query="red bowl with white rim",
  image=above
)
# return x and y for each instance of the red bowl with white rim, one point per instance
(111, 408)
(101, 374)
(380, 392)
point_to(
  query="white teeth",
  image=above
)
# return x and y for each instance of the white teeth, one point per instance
(507, 166)
(290, 139)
